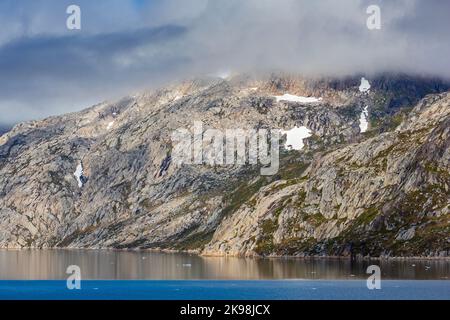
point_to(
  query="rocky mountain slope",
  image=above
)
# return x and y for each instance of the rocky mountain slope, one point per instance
(104, 177)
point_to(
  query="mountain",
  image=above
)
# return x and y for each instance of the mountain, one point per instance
(106, 177)
(3, 130)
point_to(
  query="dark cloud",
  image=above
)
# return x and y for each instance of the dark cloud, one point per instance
(48, 75)
(125, 46)
(78, 56)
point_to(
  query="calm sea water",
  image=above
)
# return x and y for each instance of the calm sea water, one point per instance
(131, 265)
(226, 290)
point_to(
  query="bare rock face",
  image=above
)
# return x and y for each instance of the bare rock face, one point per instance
(105, 178)
(388, 195)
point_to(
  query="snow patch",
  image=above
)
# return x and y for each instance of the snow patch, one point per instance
(79, 174)
(109, 126)
(293, 98)
(295, 136)
(364, 86)
(363, 123)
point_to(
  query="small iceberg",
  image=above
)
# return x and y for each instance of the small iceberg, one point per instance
(295, 136)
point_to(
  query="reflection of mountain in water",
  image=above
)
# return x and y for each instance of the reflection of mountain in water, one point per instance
(104, 264)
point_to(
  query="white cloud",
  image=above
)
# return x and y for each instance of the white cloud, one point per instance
(45, 67)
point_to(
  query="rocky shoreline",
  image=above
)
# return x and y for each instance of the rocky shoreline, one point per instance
(198, 253)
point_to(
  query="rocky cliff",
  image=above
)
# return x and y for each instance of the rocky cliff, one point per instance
(104, 177)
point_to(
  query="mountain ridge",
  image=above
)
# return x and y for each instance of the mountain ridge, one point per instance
(129, 200)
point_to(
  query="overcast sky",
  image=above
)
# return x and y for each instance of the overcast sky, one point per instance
(126, 46)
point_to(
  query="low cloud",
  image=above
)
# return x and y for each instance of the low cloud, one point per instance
(126, 46)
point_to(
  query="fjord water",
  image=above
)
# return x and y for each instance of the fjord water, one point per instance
(145, 265)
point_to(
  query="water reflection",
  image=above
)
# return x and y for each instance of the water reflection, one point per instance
(104, 264)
